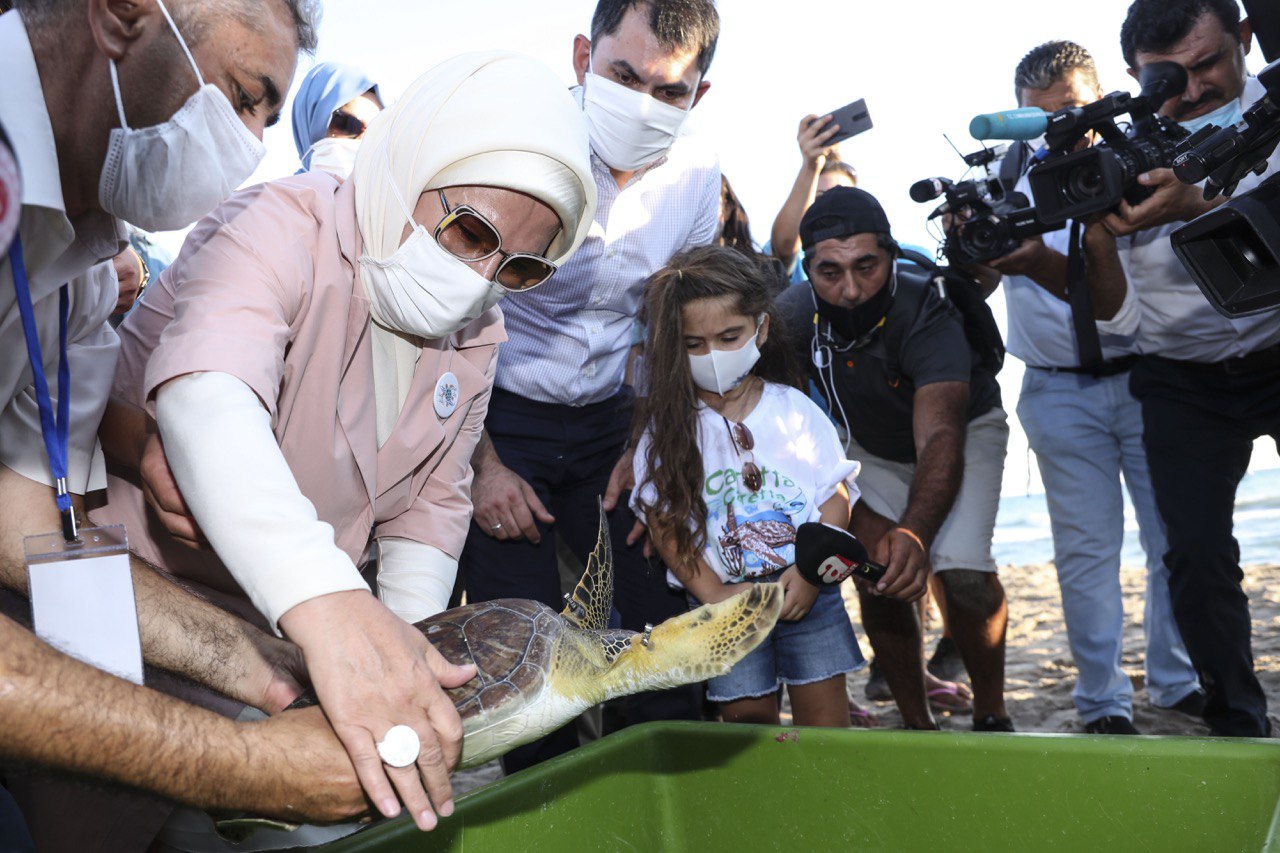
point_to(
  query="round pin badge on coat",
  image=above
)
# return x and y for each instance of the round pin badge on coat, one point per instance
(446, 398)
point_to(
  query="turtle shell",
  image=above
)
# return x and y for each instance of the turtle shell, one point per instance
(510, 640)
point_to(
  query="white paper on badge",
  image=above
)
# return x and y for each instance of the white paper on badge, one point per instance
(85, 608)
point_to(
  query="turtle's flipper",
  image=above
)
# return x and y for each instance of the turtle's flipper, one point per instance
(588, 607)
(694, 646)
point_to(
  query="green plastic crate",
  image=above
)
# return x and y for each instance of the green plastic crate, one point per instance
(710, 787)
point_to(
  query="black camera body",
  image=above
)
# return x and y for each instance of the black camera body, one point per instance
(1095, 179)
(1233, 251)
(1071, 184)
(986, 222)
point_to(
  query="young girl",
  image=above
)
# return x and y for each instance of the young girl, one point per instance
(731, 461)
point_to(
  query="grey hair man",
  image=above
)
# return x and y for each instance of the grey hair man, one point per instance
(91, 92)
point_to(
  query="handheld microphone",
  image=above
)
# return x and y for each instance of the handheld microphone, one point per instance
(928, 189)
(828, 555)
(1023, 123)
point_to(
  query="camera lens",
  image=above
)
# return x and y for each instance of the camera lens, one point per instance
(981, 237)
(1085, 182)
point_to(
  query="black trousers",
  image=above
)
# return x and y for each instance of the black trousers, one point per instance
(1199, 425)
(566, 453)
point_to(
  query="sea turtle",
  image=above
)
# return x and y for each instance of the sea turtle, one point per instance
(538, 669)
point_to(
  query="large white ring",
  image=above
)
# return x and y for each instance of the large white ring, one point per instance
(399, 747)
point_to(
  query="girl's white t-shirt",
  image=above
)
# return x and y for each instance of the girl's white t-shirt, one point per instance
(802, 461)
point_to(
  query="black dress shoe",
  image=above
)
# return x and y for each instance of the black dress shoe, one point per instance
(992, 723)
(1192, 704)
(1115, 725)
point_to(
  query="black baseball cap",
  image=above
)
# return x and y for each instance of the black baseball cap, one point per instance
(842, 212)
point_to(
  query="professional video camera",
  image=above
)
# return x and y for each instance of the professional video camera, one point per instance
(1231, 251)
(1069, 184)
(986, 221)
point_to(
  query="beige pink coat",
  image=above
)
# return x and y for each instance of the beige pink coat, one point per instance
(266, 289)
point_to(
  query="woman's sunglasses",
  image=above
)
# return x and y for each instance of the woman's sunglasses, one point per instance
(346, 124)
(468, 236)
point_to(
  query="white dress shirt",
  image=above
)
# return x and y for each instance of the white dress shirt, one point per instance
(56, 251)
(567, 341)
(1041, 333)
(1177, 320)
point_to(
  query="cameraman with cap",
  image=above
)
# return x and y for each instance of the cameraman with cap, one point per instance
(1086, 430)
(901, 377)
(1207, 384)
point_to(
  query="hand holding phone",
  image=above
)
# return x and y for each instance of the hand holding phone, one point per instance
(851, 119)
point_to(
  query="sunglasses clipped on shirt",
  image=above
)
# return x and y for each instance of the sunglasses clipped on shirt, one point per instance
(468, 236)
(744, 441)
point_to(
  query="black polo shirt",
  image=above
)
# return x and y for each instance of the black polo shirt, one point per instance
(922, 342)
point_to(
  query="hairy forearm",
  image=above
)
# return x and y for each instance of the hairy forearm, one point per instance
(59, 713)
(939, 468)
(1050, 272)
(179, 632)
(485, 458)
(191, 637)
(1104, 272)
(785, 236)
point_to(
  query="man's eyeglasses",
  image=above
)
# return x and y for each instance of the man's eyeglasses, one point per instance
(346, 124)
(468, 236)
(744, 441)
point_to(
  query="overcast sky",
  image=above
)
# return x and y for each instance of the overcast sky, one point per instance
(925, 68)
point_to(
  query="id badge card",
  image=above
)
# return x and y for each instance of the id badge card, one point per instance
(82, 598)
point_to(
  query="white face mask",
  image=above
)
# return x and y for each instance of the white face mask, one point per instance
(628, 129)
(334, 155)
(169, 175)
(1224, 116)
(722, 370)
(422, 289)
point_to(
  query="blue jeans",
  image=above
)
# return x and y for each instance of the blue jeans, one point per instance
(1086, 432)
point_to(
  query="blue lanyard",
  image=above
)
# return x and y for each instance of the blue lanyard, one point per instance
(54, 430)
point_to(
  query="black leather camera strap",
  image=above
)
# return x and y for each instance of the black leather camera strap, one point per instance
(1088, 346)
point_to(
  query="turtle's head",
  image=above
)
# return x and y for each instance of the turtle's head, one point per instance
(694, 646)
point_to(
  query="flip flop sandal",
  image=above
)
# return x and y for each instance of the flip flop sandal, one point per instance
(861, 718)
(950, 698)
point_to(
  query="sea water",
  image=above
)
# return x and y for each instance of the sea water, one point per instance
(1023, 536)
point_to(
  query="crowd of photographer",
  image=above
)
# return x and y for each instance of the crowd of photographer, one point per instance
(1134, 299)
(348, 408)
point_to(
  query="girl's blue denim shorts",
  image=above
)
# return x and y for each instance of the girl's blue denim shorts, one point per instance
(819, 646)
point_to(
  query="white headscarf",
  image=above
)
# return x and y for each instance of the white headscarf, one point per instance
(492, 119)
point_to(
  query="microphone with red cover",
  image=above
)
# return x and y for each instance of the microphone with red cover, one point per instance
(829, 555)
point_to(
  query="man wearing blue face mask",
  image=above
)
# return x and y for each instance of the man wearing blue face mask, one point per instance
(1207, 384)
(560, 416)
(152, 113)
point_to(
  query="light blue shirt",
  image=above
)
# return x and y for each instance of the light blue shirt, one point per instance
(568, 341)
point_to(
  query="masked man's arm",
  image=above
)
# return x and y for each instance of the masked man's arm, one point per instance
(180, 632)
(58, 713)
(939, 425)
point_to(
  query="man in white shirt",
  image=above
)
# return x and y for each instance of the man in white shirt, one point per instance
(63, 69)
(1207, 384)
(560, 416)
(1086, 430)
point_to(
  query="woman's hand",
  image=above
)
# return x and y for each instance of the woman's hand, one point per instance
(373, 671)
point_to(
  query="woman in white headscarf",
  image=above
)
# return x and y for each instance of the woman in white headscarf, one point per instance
(319, 361)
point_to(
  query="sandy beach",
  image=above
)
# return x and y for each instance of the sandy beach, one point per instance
(1039, 672)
